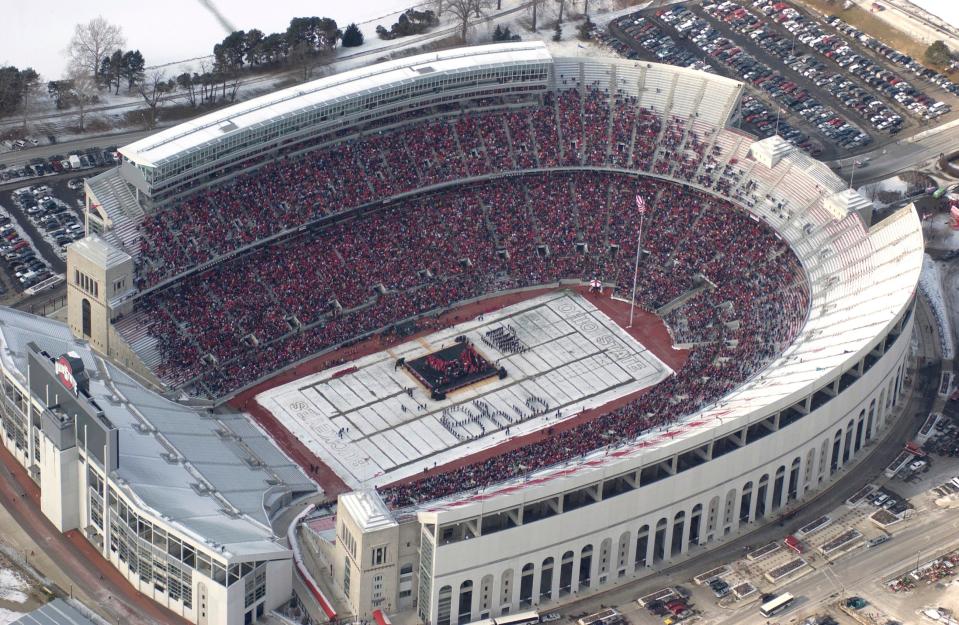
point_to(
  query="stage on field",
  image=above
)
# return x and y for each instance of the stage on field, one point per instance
(375, 420)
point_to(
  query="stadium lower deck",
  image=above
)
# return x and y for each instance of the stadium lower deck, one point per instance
(375, 423)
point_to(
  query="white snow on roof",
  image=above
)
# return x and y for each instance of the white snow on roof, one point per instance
(263, 110)
(368, 510)
(98, 251)
(241, 467)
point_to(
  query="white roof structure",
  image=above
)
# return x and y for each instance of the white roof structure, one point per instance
(366, 507)
(100, 252)
(846, 201)
(57, 612)
(771, 150)
(208, 129)
(212, 476)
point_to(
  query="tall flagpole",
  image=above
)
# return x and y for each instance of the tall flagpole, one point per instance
(639, 246)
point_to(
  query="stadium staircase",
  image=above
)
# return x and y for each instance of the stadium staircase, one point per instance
(135, 330)
(123, 210)
(682, 298)
(509, 142)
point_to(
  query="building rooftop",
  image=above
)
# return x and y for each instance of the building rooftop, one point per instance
(216, 477)
(208, 129)
(367, 508)
(100, 252)
(57, 612)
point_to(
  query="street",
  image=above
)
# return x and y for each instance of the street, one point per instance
(904, 155)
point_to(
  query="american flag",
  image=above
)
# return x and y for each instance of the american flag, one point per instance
(640, 204)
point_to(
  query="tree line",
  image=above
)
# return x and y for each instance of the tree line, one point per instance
(99, 61)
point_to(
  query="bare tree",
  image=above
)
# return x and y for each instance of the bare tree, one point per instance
(533, 6)
(463, 10)
(562, 5)
(84, 90)
(151, 90)
(92, 42)
(30, 82)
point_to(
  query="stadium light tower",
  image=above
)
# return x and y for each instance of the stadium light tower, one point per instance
(641, 207)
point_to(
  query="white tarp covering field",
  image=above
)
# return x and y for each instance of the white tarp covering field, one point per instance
(372, 429)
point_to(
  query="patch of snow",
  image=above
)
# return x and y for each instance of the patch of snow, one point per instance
(12, 587)
(939, 233)
(931, 286)
(8, 616)
(894, 185)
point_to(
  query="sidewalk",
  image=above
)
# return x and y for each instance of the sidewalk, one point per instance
(68, 559)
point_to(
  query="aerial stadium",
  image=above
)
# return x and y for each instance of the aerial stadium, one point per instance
(527, 325)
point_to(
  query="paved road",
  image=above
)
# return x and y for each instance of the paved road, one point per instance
(113, 597)
(908, 154)
(863, 567)
(22, 157)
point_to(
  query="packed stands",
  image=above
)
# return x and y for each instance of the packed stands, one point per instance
(733, 291)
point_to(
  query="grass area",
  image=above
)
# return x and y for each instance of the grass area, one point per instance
(872, 25)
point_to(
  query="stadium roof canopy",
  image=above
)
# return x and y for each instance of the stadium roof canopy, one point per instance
(211, 476)
(208, 129)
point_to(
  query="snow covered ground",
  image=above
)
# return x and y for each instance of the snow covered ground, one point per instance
(36, 34)
(577, 358)
(931, 285)
(891, 185)
(939, 234)
(8, 616)
(13, 587)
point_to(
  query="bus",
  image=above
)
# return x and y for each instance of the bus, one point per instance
(776, 605)
(520, 618)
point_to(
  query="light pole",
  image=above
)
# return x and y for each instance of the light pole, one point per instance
(851, 175)
(641, 205)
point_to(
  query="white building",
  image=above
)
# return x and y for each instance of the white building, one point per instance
(178, 499)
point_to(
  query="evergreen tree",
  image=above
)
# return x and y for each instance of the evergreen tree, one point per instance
(352, 36)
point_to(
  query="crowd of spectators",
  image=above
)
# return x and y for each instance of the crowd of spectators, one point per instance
(577, 127)
(246, 317)
(331, 286)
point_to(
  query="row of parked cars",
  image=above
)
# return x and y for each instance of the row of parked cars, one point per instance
(51, 217)
(23, 262)
(902, 60)
(647, 35)
(58, 163)
(756, 114)
(877, 77)
(672, 610)
(812, 67)
(792, 95)
(889, 501)
(946, 440)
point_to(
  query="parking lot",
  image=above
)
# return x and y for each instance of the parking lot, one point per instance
(81, 162)
(37, 222)
(821, 84)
